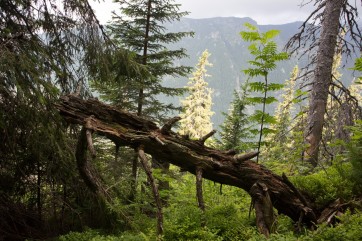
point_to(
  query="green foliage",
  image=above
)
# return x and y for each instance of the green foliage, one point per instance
(355, 156)
(94, 235)
(235, 130)
(139, 29)
(326, 185)
(226, 221)
(286, 143)
(358, 66)
(266, 55)
(48, 48)
(185, 224)
(349, 228)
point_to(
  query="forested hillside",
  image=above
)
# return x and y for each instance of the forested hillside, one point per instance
(93, 144)
(229, 55)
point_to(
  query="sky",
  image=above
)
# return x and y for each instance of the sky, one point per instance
(262, 11)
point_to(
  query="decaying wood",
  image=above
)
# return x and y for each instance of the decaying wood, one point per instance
(85, 169)
(243, 157)
(155, 191)
(88, 134)
(335, 209)
(199, 195)
(207, 136)
(127, 129)
(166, 128)
(263, 208)
(322, 78)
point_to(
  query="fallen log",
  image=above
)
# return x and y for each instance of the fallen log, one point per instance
(126, 129)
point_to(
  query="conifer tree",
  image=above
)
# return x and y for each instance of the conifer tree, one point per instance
(140, 28)
(47, 48)
(196, 115)
(195, 120)
(234, 131)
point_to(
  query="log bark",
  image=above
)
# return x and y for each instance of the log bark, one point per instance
(91, 179)
(155, 191)
(263, 208)
(199, 195)
(322, 78)
(223, 167)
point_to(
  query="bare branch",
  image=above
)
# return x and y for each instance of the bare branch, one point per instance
(90, 143)
(155, 191)
(168, 125)
(199, 194)
(207, 136)
(243, 157)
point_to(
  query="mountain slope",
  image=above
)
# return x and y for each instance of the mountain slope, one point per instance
(229, 55)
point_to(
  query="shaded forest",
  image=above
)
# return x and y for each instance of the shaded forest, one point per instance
(89, 150)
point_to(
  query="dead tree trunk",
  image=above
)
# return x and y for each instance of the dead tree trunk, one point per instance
(200, 198)
(85, 169)
(322, 78)
(155, 191)
(224, 167)
(263, 208)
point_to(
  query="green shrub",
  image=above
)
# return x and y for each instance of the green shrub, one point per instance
(355, 156)
(326, 186)
(93, 235)
(348, 229)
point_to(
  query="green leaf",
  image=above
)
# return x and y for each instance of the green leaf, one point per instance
(255, 72)
(268, 131)
(254, 131)
(275, 86)
(300, 93)
(358, 64)
(254, 49)
(270, 48)
(258, 115)
(255, 100)
(257, 86)
(281, 56)
(270, 34)
(250, 36)
(269, 119)
(251, 27)
(270, 99)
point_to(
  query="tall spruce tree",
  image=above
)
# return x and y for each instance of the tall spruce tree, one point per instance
(235, 131)
(139, 28)
(196, 115)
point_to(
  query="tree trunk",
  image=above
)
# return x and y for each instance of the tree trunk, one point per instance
(224, 167)
(322, 78)
(263, 208)
(200, 198)
(155, 191)
(163, 185)
(90, 178)
(134, 176)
